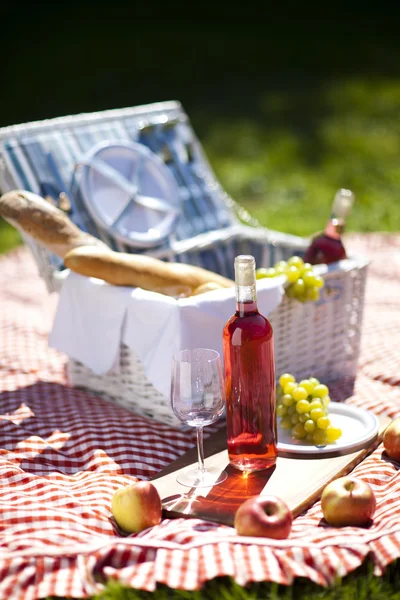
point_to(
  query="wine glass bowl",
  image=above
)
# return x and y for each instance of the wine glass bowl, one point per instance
(198, 399)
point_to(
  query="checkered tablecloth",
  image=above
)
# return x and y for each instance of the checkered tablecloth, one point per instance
(64, 452)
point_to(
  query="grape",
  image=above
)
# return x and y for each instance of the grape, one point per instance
(281, 266)
(298, 431)
(299, 288)
(289, 291)
(299, 393)
(308, 277)
(316, 403)
(303, 406)
(304, 417)
(333, 433)
(307, 385)
(323, 423)
(304, 283)
(313, 294)
(286, 378)
(320, 437)
(326, 400)
(263, 273)
(281, 410)
(317, 413)
(295, 418)
(292, 274)
(306, 267)
(320, 391)
(310, 426)
(295, 261)
(287, 400)
(289, 387)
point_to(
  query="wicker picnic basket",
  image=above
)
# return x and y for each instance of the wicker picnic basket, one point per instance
(321, 338)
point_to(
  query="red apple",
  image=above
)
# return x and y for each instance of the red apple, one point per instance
(136, 506)
(391, 439)
(348, 501)
(264, 516)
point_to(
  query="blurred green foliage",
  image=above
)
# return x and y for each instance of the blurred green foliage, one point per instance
(286, 165)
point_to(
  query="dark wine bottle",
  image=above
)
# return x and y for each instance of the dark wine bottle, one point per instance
(327, 247)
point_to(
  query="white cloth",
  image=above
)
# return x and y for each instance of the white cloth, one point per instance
(93, 318)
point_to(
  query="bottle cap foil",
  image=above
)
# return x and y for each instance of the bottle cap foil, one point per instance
(245, 266)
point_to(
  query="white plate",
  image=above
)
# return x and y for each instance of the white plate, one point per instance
(130, 192)
(359, 426)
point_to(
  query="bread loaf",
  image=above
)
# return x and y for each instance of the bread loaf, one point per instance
(119, 268)
(210, 286)
(44, 222)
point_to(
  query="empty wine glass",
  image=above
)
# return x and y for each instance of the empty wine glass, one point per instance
(198, 399)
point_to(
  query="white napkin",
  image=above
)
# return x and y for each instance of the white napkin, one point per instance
(93, 318)
(88, 321)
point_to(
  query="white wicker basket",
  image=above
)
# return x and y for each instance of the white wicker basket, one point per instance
(321, 338)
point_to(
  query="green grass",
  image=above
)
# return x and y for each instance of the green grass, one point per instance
(286, 163)
(359, 585)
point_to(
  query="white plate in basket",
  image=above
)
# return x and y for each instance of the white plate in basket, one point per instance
(130, 192)
(359, 426)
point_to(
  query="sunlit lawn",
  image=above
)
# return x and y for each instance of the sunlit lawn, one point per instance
(286, 165)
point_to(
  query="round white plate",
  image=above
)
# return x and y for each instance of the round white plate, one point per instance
(130, 193)
(359, 426)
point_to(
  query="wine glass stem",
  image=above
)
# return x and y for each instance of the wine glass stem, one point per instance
(200, 449)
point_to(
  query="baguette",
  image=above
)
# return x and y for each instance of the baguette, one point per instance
(44, 222)
(133, 270)
(210, 286)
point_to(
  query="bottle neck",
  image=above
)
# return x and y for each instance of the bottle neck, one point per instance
(245, 284)
(246, 299)
(334, 228)
(341, 207)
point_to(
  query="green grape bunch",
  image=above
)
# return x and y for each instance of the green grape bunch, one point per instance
(303, 283)
(303, 408)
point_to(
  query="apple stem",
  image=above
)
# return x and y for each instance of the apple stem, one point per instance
(200, 448)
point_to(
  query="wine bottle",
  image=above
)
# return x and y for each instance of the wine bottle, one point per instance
(327, 247)
(249, 377)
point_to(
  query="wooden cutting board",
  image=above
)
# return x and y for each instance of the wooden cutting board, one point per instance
(298, 481)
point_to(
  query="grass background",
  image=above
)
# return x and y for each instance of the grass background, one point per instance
(289, 104)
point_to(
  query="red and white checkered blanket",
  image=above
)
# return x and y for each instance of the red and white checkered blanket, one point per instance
(64, 452)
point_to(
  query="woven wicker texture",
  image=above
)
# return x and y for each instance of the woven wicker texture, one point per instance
(322, 339)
